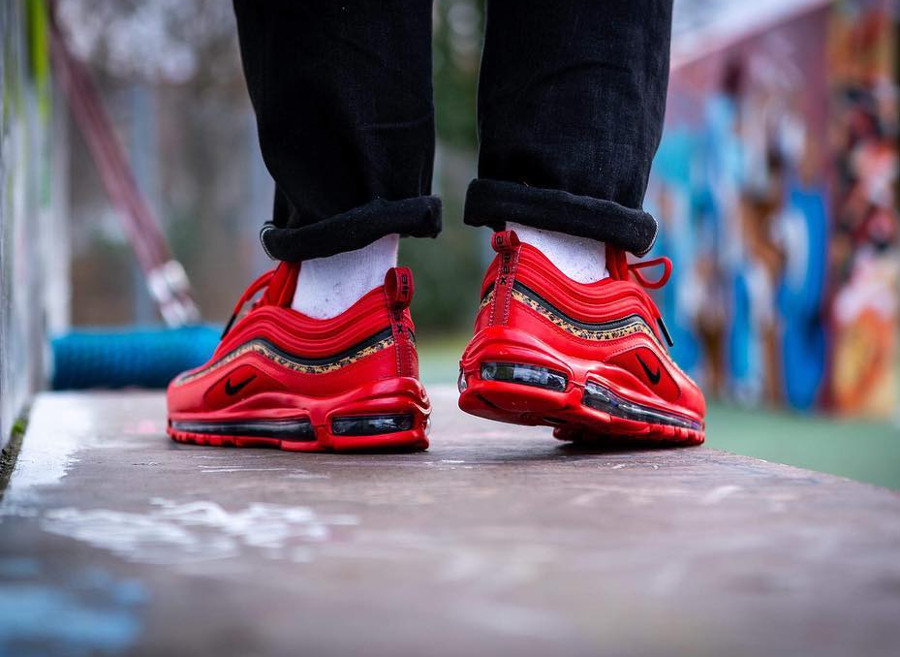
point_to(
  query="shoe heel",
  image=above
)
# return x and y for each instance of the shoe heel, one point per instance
(514, 392)
(411, 441)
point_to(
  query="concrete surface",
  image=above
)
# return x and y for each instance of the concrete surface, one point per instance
(499, 540)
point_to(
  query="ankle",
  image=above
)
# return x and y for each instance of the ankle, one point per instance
(580, 258)
(326, 287)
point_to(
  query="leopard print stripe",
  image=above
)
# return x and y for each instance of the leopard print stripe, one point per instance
(602, 334)
(262, 348)
(637, 326)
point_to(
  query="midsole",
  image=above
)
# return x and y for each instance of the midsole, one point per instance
(299, 431)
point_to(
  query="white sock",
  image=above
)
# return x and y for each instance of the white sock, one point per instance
(326, 287)
(580, 258)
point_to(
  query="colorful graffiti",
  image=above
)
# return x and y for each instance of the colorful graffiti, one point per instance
(775, 184)
(28, 205)
(863, 254)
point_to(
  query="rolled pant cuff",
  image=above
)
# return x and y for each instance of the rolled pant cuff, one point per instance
(494, 202)
(354, 229)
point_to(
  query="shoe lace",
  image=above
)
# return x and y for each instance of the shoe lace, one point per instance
(619, 267)
(248, 294)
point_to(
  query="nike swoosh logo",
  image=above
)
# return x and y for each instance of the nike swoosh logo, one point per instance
(653, 376)
(235, 389)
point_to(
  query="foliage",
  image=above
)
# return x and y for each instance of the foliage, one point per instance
(448, 270)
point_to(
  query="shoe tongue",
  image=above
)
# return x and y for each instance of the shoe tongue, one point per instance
(280, 290)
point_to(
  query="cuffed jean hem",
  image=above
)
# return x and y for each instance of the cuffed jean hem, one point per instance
(494, 202)
(354, 229)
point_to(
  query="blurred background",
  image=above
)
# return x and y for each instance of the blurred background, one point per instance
(775, 185)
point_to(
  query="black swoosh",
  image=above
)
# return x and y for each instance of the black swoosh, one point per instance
(653, 376)
(235, 389)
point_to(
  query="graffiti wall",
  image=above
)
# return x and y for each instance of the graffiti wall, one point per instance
(775, 184)
(33, 237)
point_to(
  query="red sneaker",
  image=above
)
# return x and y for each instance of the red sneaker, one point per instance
(282, 379)
(587, 359)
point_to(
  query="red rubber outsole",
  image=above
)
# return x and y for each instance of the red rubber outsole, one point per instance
(414, 440)
(400, 395)
(571, 420)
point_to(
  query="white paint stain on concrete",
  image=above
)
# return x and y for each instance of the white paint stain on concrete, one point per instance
(211, 469)
(669, 578)
(516, 620)
(59, 427)
(52, 440)
(287, 473)
(487, 571)
(718, 494)
(173, 532)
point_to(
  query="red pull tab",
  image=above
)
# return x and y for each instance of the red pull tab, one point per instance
(505, 240)
(398, 286)
(398, 290)
(506, 243)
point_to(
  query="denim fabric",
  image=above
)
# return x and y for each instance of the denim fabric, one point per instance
(570, 110)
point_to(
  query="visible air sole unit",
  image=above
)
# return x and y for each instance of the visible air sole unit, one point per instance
(344, 434)
(387, 415)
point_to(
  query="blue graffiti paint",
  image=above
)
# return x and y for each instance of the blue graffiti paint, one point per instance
(749, 246)
(801, 295)
(18, 567)
(94, 613)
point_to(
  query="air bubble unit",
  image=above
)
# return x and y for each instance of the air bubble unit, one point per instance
(527, 375)
(601, 399)
(371, 425)
(298, 431)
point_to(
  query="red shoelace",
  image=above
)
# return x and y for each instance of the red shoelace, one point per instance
(619, 268)
(248, 294)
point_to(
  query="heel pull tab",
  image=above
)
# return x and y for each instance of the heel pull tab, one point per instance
(507, 245)
(505, 240)
(398, 291)
(399, 287)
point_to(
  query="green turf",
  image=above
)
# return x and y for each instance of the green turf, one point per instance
(439, 358)
(865, 451)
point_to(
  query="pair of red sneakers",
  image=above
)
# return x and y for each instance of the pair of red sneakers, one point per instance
(587, 359)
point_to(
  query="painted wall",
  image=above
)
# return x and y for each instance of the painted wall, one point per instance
(775, 184)
(33, 239)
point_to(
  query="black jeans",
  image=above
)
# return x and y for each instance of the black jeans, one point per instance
(570, 109)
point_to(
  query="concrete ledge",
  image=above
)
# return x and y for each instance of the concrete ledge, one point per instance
(499, 540)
